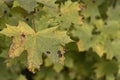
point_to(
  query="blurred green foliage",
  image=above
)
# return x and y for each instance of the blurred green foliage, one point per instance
(92, 54)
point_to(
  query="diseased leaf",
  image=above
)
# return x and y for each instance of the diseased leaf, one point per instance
(93, 25)
(17, 46)
(34, 58)
(24, 38)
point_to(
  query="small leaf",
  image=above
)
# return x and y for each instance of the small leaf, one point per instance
(110, 77)
(69, 62)
(58, 67)
(48, 62)
(99, 49)
(21, 77)
(104, 68)
(27, 5)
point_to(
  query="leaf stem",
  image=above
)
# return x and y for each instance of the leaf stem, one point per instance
(33, 22)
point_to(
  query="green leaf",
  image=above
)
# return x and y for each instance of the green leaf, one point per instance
(69, 14)
(72, 74)
(110, 36)
(98, 45)
(113, 49)
(105, 68)
(4, 54)
(12, 17)
(114, 12)
(84, 33)
(48, 3)
(69, 62)
(15, 4)
(21, 77)
(91, 8)
(99, 24)
(111, 30)
(58, 67)
(48, 62)
(110, 77)
(27, 5)
(6, 73)
(44, 22)
(107, 38)
(3, 8)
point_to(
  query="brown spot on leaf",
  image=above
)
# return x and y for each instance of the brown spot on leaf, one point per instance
(23, 35)
(59, 53)
(48, 52)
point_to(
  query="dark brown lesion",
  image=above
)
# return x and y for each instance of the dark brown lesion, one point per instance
(23, 35)
(12, 37)
(48, 52)
(59, 53)
(60, 56)
(22, 38)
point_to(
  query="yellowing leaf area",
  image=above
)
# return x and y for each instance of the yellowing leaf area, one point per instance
(24, 38)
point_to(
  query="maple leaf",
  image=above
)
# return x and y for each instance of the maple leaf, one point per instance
(110, 39)
(18, 34)
(24, 38)
(98, 44)
(115, 45)
(69, 14)
(3, 7)
(48, 3)
(84, 33)
(27, 5)
(91, 8)
(104, 68)
(114, 12)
